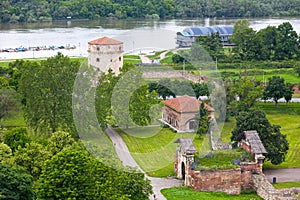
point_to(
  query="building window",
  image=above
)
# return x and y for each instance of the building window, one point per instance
(120, 48)
(98, 59)
(110, 60)
(98, 48)
(120, 58)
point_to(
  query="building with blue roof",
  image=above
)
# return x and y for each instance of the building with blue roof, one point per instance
(188, 36)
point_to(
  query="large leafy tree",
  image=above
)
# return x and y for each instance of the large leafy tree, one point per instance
(15, 184)
(213, 45)
(8, 101)
(274, 141)
(248, 93)
(287, 42)
(75, 174)
(288, 92)
(275, 88)
(46, 89)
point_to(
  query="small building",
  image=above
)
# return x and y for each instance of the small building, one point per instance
(182, 113)
(188, 36)
(106, 53)
(250, 142)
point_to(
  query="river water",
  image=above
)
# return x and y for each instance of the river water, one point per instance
(137, 35)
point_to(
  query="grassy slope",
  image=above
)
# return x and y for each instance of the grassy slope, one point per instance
(188, 193)
(154, 150)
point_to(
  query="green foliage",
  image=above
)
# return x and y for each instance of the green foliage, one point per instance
(16, 137)
(275, 88)
(248, 93)
(8, 101)
(213, 45)
(46, 89)
(32, 157)
(58, 141)
(6, 156)
(271, 43)
(75, 174)
(274, 141)
(203, 124)
(15, 184)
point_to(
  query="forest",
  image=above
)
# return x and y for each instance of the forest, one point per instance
(13, 11)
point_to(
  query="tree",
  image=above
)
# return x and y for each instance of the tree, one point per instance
(213, 45)
(32, 157)
(203, 124)
(47, 93)
(275, 88)
(16, 137)
(248, 93)
(287, 42)
(288, 92)
(243, 37)
(15, 184)
(8, 101)
(75, 174)
(274, 141)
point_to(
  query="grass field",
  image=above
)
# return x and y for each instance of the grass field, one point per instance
(154, 150)
(288, 117)
(287, 185)
(182, 193)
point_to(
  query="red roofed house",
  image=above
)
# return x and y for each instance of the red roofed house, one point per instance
(181, 113)
(105, 53)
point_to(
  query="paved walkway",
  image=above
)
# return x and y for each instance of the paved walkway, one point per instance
(127, 160)
(283, 175)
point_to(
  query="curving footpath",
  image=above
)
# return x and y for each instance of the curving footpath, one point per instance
(127, 160)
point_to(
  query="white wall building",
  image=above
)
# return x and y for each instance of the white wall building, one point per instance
(105, 53)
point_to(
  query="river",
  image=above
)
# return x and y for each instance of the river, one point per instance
(137, 35)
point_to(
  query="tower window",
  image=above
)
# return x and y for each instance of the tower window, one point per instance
(120, 58)
(110, 60)
(98, 48)
(98, 59)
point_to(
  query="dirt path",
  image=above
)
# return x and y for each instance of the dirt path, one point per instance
(127, 160)
(283, 175)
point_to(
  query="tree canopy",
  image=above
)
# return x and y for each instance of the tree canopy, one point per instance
(46, 89)
(47, 10)
(274, 141)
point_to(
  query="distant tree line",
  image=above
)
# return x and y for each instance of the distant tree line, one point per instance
(46, 10)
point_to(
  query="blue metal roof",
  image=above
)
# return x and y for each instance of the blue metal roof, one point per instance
(204, 31)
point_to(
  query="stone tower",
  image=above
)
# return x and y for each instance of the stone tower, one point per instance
(106, 53)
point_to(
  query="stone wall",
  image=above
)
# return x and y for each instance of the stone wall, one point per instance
(228, 181)
(266, 190)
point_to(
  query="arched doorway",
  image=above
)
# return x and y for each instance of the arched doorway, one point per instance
(183, 171)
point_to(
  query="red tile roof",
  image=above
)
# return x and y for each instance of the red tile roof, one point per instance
(104, 41)
(186, 104)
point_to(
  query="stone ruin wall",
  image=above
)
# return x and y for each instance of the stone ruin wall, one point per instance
(266, 190)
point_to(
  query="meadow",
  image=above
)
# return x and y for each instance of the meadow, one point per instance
(180, 193)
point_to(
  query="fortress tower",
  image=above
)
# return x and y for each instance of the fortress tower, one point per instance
(105, 53)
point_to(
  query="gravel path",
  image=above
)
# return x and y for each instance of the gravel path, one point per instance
(283, 175)
(127, 160)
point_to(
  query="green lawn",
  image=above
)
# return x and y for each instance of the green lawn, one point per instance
(154, 150)
(287, 185)
(12, 120)
(182, 193)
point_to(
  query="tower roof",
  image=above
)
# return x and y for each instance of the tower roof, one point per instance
(104, 41)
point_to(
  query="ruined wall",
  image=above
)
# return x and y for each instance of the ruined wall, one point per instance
(228, 181)
(266, 190)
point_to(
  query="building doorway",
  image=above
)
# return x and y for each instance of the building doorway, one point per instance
(183, 171)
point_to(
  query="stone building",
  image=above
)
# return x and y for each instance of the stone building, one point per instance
(181, 113)
(250, 141)
(106, 53)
